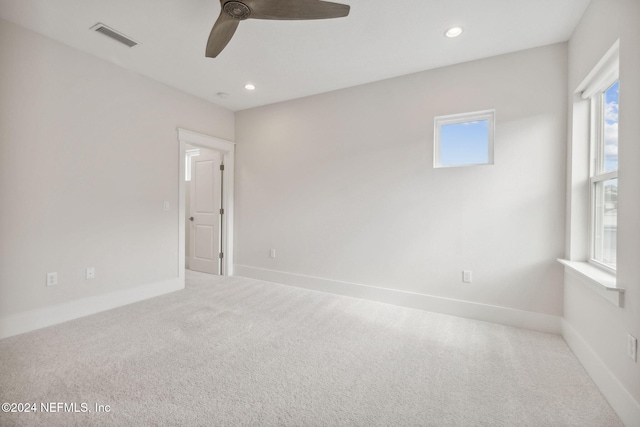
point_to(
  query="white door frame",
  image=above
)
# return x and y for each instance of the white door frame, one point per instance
(227, 149)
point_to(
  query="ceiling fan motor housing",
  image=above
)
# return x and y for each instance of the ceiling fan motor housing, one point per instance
(237, 10)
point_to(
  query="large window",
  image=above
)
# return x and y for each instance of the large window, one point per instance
(592, 187)
(604, 173)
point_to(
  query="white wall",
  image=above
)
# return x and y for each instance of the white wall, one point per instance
(342, 185)
(88, 154)
(599, 329)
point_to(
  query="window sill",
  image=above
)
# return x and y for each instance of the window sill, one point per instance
(602, 282)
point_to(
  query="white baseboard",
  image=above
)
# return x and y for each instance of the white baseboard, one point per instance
(41, 318)
(627, 408)
(470, 310)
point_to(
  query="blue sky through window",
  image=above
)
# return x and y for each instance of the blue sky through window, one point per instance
(464, 143)
(611, 96)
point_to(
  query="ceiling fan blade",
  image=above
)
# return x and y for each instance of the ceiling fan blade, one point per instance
(296, 9)
(221, 33)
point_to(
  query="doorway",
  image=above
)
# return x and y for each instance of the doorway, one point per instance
(204, 173)
(215, 227)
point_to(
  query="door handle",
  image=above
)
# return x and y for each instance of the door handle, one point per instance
(191, 218)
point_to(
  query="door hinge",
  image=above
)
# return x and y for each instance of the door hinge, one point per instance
(221, 211)
(221, 167)
(221, 255)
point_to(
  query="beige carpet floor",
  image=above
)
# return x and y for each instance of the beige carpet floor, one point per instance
(240, 352)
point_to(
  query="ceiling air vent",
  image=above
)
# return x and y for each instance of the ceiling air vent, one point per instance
(110, 32)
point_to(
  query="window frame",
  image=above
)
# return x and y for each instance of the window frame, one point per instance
(597, 174)
(439, 121)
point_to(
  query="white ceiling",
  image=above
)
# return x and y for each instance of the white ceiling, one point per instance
(291, 59)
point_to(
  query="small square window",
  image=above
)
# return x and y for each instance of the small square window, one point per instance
(464, 139)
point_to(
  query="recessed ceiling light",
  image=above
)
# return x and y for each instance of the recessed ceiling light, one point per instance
(250, 86)
(453, 32)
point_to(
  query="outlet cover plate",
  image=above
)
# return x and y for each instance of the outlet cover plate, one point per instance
(467, 276)
(632, 347)
(52, 279)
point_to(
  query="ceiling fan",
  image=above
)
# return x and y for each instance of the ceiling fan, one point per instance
(232, 12)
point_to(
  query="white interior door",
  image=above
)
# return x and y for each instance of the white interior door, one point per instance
(204, 212)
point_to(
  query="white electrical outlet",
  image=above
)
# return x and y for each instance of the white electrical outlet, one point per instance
(91, 273)
(165, 206)
(632, 347)
(52, 279)
(466, 276)
(272, 253)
